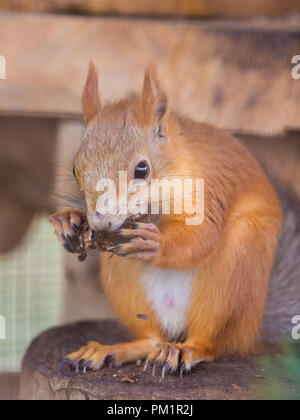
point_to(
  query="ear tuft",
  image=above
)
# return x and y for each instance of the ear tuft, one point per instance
(90, 97)
(154, 99)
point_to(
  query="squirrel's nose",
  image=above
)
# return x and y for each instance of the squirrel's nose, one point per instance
(99, 215)
(99, 222)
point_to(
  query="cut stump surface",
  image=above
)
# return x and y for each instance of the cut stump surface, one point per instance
(230, 378)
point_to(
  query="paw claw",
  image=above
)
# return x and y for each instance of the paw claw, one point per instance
(182, 370)
(94, 355)
(67, 248)
(164, 369)
(113, 248)
(86, 366)
(75, 227)
(171, 357)
(68, 238)
(78, 365)
(67, 244)
(146, 365)
(154, 368)
(62, 363)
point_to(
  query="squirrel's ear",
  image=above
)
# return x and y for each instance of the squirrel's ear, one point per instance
(154, 100)
(90, 97)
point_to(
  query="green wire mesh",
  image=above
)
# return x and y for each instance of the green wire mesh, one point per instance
(30, 291)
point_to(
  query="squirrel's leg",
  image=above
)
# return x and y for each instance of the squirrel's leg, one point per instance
(120, 281)
(67, 225)
(228, 297)
(94, 355)
(229, 294)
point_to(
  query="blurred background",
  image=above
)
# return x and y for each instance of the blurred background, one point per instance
(224, 62)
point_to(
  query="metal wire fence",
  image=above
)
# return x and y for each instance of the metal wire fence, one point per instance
(30, 292)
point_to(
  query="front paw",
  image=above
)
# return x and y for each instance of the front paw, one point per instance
(145, 242)
(68, 228)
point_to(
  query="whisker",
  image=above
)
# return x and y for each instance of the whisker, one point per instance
(70, 199)
(61, 165)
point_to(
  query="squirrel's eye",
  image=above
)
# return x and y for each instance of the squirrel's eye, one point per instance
(142, 170)
(74, 171)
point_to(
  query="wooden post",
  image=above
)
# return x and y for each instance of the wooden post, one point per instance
(229, 379)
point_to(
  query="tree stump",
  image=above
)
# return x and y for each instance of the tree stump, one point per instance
(229, 379)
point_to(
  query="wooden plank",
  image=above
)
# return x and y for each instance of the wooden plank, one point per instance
(27, 149)
(9, 386)
(279, 156)
(234, 75)
(232, 8)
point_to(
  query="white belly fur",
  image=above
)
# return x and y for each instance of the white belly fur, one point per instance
(168, 292)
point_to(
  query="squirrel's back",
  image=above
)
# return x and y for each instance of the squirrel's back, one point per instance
(283, 301)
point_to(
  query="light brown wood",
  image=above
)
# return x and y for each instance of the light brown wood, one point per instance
(234, 75)
(235, 8)
(280, 156)
(9, 386)
(27, 148)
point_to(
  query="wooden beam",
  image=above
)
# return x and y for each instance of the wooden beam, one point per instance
(234, 75)
(192, 8)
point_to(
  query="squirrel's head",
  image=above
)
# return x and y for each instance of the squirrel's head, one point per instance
(129, 136)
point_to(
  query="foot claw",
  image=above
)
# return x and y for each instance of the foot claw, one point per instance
(94, 355)
(172, 357)
(153, 368)
(78, 365)
(86, 366)
(146, 365)
(182, 370)
(62, 363)
(164, 369)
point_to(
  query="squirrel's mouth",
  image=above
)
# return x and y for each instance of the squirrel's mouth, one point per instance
(105, 222)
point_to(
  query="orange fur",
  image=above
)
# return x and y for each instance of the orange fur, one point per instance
(90, 97)
(230, 254)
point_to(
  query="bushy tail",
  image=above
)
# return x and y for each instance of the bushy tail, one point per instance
(283, 301)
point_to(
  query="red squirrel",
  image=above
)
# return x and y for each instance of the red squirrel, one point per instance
(202, 288)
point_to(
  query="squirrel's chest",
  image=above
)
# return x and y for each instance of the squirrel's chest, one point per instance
(169, 292)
